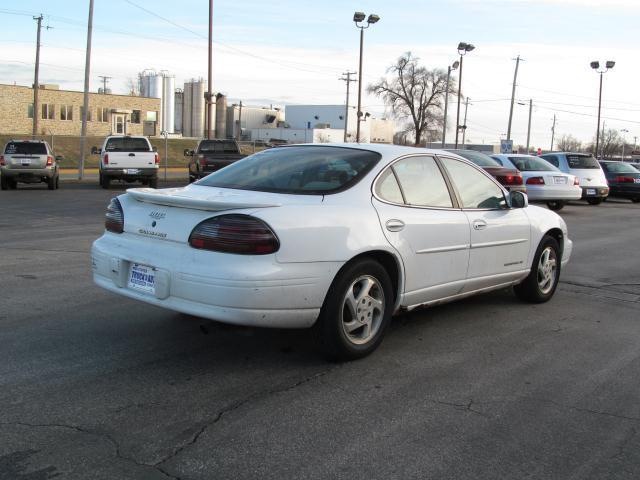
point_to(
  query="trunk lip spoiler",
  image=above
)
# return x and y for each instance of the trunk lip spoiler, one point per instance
(171, 198)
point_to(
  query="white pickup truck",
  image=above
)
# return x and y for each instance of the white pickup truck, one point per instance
(128, 158)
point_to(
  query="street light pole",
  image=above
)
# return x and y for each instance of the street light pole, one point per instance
(529, 127)
(446, 100)
(464, 127)
(463, 48)
(513, 94)
(210, 70)
(358, 17)
(596, 66)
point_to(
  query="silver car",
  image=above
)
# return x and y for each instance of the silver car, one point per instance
(28, 161)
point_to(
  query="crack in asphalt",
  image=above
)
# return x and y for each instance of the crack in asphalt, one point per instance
(466, 407)
(602, 292)
(192, 441)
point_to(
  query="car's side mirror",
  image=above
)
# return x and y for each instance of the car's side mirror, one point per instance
(96, 151)
(188, 153)
(59, 158)
(518, 199)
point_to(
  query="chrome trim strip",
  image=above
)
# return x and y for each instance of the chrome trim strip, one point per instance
(499, 243)
(452, 248)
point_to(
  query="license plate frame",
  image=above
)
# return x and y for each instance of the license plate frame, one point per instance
(25, 162)
(142, 278)
(131, 171)
(560, 180)
(591, 191)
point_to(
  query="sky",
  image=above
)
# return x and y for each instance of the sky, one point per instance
(293, 52)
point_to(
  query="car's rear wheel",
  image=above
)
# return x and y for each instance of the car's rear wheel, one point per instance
(13, 184)
(104, 181)
(356, 311)
(4, 185)
(556, 205)
(541, 283)
(51, 183)
(594, 201)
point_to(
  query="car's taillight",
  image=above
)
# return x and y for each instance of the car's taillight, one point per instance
(157, 159)
(49, 161)
(622, 179)
(114, 218)
(510, 179)
(105, 159)
(235, 233)
(576, 181)
(2, 160)
(535, 181)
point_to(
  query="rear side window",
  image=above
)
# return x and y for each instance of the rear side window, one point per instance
(127, 144)
(552, 159)
(25, 148)
(312, 170)
(422, 182)
(207, 146)
(582, 161)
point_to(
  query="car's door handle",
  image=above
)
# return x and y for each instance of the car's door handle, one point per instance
(479, 225)
(394, 225)
(132, 154)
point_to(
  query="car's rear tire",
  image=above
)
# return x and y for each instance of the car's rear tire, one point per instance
(542, 281)
(4, 185)
(153, 182)
(556, 205)
(13, 184)
(51, 183)
(104, 181)
(356, 311)
(594, 201)
(57, 182)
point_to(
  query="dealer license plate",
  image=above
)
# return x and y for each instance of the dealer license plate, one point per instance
(132, 171)
(142, 278)
(591, 191)
(560, 180)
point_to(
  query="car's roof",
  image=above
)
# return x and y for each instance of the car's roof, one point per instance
(515, 155)
(582, 154)
(381, 148)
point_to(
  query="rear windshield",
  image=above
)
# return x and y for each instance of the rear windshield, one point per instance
(127, 144)
(532, 164)
(479, 158)
(619, 167)
(207, 146)
(25, 148)
(582, 161)
(312, 170)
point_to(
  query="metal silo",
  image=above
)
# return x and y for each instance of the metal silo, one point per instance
(179, 102)
(168, 102)
(193, 108)
(221, 116)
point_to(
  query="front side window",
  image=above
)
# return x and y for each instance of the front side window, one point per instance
(476, 190)
(422, 182)
(310, 170)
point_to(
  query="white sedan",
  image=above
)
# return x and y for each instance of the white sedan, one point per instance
(544, 182)
(334, 237)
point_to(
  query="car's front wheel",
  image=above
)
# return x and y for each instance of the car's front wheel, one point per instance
(356, 311)
(541, 283)
(556, 205)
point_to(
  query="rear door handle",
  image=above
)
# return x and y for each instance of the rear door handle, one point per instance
(479, 225)
(394, 225)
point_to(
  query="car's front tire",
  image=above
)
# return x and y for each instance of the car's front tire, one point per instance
(594, 201)
(542, 281)
(556, 205)
(356, 311)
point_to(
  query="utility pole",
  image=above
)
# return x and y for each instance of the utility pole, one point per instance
(239, 134)
(210, 82)
(513, 94)
(553, 131)
(346, 108)
(464, 127)
(105, 80)
(85, 108)
(602, 149)
(36, 83)
(529, 127)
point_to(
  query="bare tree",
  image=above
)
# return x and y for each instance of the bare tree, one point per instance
(610, 144)
(415, 94)
(133, 85)
(569, 143)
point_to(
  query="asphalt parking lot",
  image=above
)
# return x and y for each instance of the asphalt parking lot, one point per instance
(93, 385)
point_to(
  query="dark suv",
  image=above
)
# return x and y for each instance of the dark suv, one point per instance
(28, 161)
(212, 155)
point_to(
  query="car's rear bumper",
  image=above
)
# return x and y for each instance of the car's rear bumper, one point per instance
(28, 174)
(625, 191)
(129, 173)
(594, 192)
(547, 193)
(238, 289)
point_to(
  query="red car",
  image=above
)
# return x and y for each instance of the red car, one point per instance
(510, 178)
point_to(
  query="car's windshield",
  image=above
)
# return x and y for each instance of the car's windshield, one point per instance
(25, 148)
(582, 161)
(532, 164)
(619, 167)
(300, 170)
(217, 146)
(127, 144)
(479, 158)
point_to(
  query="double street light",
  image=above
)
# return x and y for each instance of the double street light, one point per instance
(596, 66)
(463, 48)
(446, 100)
(358, 18)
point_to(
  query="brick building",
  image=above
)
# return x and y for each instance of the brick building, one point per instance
(60, 112)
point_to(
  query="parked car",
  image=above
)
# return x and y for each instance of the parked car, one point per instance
(127, 158)
(545, 183)
(587, 169)
(510, 178)
(624, 180)
(336, 237)
(212, 155)
(29, 161)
